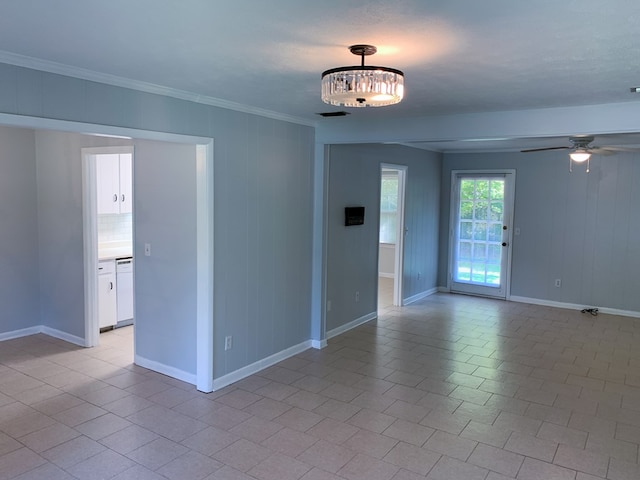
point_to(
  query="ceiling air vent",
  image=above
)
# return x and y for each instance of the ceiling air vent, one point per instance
(333, 114)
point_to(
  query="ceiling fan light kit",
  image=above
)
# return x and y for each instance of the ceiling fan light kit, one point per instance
(362, 85)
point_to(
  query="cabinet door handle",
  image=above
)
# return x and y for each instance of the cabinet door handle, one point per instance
(115, 197)
(123, 198)
(110, 285)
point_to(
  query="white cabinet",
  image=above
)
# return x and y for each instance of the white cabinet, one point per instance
(113, 173)
(107, 294)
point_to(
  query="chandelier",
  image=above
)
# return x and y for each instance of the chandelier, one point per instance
(362, 85)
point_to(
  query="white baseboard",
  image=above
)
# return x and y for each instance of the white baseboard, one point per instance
(353, 324)
(52, 332)
(419, 296)
(443, 290)
(244, 372)
(574, 306)
(165, 369)
(23, 332)
(318, 344)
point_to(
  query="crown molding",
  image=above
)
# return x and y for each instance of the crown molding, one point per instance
(114, 80)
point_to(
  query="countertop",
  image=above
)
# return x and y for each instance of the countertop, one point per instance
(113, 250)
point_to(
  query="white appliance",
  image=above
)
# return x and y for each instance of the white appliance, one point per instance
(124, 285)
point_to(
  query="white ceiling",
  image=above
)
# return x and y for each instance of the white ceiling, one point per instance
(458, 56)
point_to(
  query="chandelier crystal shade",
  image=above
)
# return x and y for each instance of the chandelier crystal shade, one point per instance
(363, 85)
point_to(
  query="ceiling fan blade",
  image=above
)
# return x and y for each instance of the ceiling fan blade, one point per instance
(605, 151)
(543, 149)
(618, 149)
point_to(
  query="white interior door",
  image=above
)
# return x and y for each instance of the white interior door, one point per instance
(481, 219)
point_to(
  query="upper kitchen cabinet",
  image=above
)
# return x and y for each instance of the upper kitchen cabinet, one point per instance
(113, 172)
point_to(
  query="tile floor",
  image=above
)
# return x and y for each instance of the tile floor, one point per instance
(452, 387)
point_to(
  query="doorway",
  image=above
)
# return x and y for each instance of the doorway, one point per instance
(113, 220)
(391, 235)
(481, 220)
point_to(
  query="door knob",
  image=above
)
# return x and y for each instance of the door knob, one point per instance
(504, 244)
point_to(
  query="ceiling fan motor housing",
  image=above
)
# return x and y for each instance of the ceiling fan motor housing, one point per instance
(581, 142)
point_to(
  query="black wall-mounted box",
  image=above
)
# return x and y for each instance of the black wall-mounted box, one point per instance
(353, 216)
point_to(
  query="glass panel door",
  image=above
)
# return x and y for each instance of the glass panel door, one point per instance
(482, 206)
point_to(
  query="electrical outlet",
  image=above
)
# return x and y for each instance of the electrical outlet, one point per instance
(328, 305)
(558, 282)
(228, 342)
(357, 296)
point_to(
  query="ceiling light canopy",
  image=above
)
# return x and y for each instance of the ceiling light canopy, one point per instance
(363, 85)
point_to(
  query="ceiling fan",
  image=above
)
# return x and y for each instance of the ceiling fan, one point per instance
(581, 150)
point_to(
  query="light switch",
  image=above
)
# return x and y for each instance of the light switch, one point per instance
(147, 249)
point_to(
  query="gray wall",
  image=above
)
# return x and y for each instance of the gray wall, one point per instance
(354, 180)
(263, 211)
(581, 228)
(19, 271)
(165, 283)
(263, 237)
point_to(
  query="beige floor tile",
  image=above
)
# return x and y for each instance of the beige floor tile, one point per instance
(73, 451)
(306, 400)
(412, 458)
(327, 456)
(168, 423)
(496, 459)
(157, 453)
(333, 431)
(407, 411)
(279, 467)
(408, 394)
(488, 434)
(451, 423)
(79, 414)
(531, 446)
(256, 429)
(267, 409)
(128, 439)
(373, 401)
(517, 423)
(49, 437)
(337, 410)
(105, 464)
(449, 468)
(533, 469)
(582, 460)
(409, 432)
(47, 471)
(371, 420)
(619, 470)
(370, 443)
(450, 445)
(611, 447)
(18, 462)
(363, 467)
(192, 465)
(563, 435)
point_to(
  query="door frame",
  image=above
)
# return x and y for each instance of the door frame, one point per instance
(403, 171)
(510, 184)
